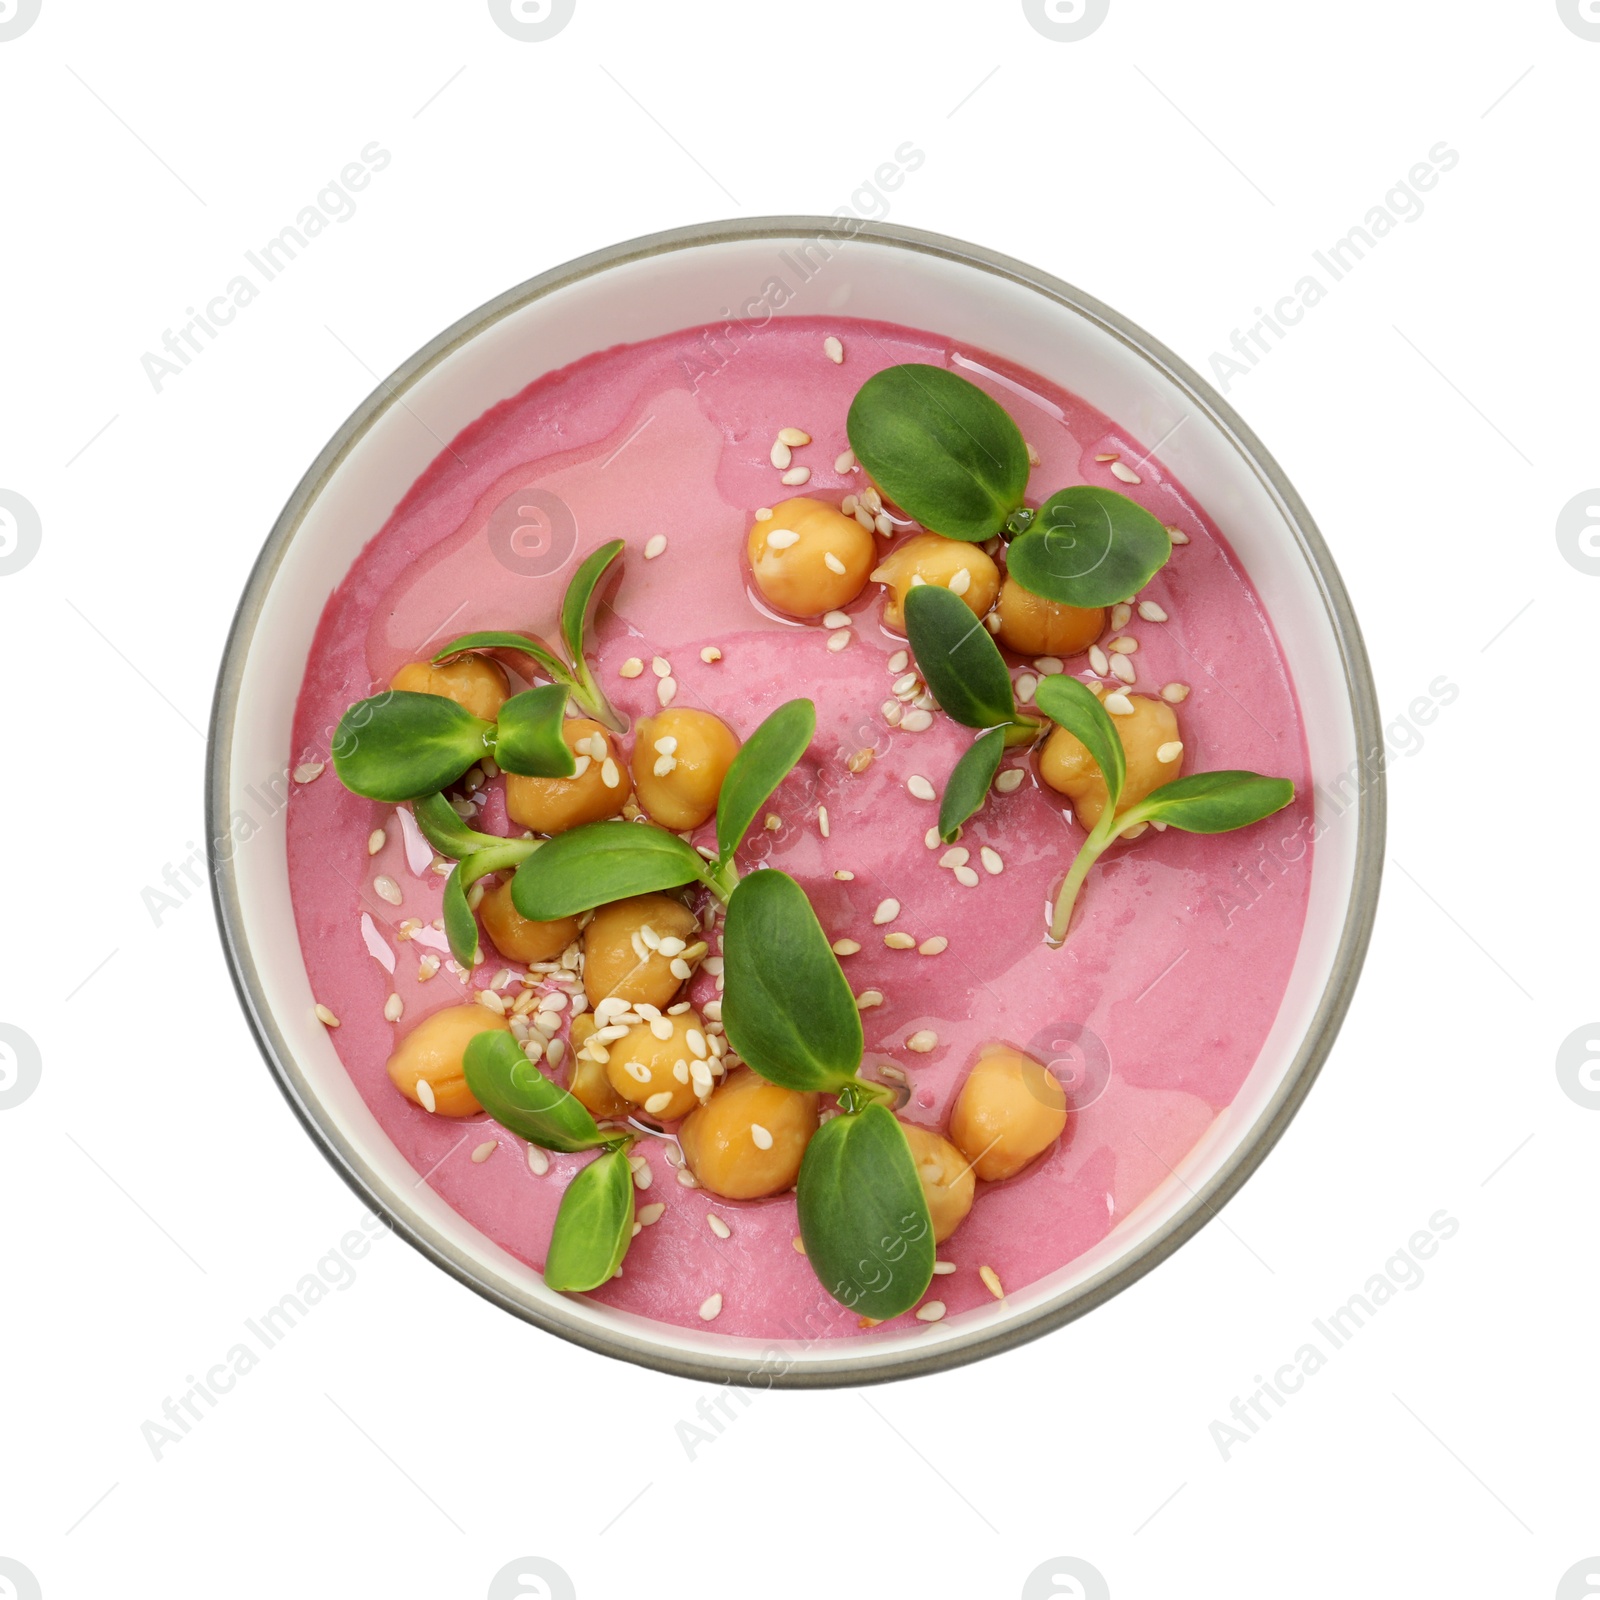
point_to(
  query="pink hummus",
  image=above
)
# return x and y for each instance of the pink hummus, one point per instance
(1152, 1014)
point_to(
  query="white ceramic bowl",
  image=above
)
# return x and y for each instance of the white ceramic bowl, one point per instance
(654, 286)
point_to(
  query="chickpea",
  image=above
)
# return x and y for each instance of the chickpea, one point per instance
(946, 1176)
(552, 805)
(1069, 769)
(1034, 626)
(516, 936)
(587, 1081)
(652, 1065)
(808, 558)
(719, 1140)
(433, 1051)
(1009, 1111)
(475, 683)
(611, 964)
(679, 761)
(931, 558)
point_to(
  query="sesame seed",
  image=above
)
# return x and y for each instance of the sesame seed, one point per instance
(839, 640)
(919, 787)
(485, 1150)
(860, 760)
(822, 821)
(1009, 780)
(899, 941)
(848, 505)
(992, 864)
(710, 655)
(490, 1001)
(555, 1051)
(922, 1041)
(1027, 685)
(538, 1161)
(935, 946)
(697, 1043)
(308, 772)
(961, 582)
(657, 1103)
(794, 437)
(425, 1097)
(833, 349)
(844, 875)
(796, 475)
(845, 461)
(782, 538)
(917, 721)
(427, 967)
(687, 1178)
(1151, 612)
(905, 685)
(1136, 830)
(1177, 535)
(1175, 692)
(1119, 705)
(661, 1028)
(864, 517)
(799, 1245)
(1107, 455)
(1097, 661)
(680, 969)
(376, 841)
(392, 1008)
(780, 454)
(966, 877)
(868, 998)
(943, 1269)
(582, 765)
(1170, 751)
(710, 1308)
(718, 1226)
(1033, 455)
(1123, 645)
(326, 1017)
(882, 523)
(1122, 669)
(887, 911)
(1048, 666)
(1125, 473)
(631, 668)
(665, 690)
(955, 857)
(651, 1214)
(643, 1174)
(664, 765)
(387, 889)
(759, 1137)
(892, 712)
(930, 1311)
(991, 1281)
(833, 563)
(845, 947)
(654, 546)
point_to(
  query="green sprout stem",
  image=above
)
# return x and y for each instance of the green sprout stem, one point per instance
(588, 693)
(1105, 833)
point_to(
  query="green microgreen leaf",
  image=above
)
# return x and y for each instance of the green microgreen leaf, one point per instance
(940, 449)
(968, 784)
(520, 1097)
(1066, 701)
(787, 1007)
(600, 862)
(527, 737)
(575, 603)
(575, 606)
(864, 1215)
(593, 1226)
(524, 644)
(1088, 546)
(958, 657)
(1211, 802)
(460, 925)
(399, 746)
(445, 830)
(763, 762)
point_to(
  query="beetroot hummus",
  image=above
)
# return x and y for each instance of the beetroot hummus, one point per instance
(1151, 1015)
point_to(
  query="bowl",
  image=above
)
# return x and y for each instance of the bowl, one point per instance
(691, 276)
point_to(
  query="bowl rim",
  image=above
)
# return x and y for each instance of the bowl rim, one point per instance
(1202, 1205)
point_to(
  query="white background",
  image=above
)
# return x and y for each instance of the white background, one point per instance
(1436, 412)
